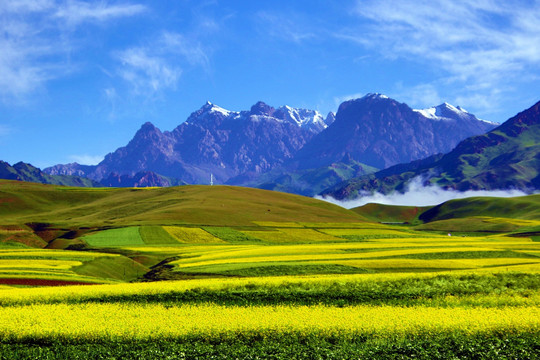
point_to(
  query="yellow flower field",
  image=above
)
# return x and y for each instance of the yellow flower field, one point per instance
(191, 235)
(141, 322)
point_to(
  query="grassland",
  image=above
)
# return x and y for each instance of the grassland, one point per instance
(247, 273)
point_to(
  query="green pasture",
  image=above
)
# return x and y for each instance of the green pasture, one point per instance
(67, 208)
(115, 237)
(229, 249)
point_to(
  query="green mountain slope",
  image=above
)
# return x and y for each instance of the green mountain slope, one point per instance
(69, 208)
(390, 213)
(506, 158)
(523, 207)
(519, 215)
(309, 182)
(26, 172)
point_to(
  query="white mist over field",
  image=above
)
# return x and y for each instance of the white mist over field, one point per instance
(417, 194)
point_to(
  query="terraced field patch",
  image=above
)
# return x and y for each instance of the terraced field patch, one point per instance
(291, 235)
(42, 267)
(156, 235)
(429, 254)
(270, 279)
(231, 235)
(193, 235)
(115, 237)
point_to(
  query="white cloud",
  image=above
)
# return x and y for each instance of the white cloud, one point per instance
(21, 6)
(152, 68)
(486, 43)
(76, 12)
(416, 194)
(34, 44)
(86, 159)
(112, 98)
(147, 72)
(289, 27)
(190, 49)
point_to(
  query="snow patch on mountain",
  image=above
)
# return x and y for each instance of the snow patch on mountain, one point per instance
(375, 96)
(303, 118)
(212, 108)
(449, 112)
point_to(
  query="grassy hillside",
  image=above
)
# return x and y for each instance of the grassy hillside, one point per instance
(310, 182)
(24, 203)
(223, 231)
(260, 274)
(523, 207)
(390, 213)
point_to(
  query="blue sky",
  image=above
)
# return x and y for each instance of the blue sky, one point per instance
(79, 78)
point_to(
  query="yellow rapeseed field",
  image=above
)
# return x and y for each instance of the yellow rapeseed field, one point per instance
(93, 321)
(191, 235)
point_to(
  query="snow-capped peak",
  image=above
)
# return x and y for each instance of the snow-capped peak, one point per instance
(302, 117)
(375, 96)
(449, 112)
(441, 112)
(212, 108)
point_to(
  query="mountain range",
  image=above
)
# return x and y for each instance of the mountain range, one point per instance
(507, 157)
(288, 149)
(25, 172)
(211, 141)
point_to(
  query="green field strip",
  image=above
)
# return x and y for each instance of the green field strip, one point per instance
(115, 237)
(275, 236)
(276, 268)
(230, 235)
(156, 235)
(118, 268)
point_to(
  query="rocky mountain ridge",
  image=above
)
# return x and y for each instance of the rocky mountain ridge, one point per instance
(237, 147)
(506, 158)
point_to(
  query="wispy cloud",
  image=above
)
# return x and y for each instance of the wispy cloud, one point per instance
(33, 42)
(481, 44)
(147, 72)
(191, 49)
(289, 27)
(156, 67)
(24, 6)
(76, 12)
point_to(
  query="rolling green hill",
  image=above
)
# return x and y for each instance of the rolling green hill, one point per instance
(518, 215)
(66, 207)
(523, 207)
(222, 231)
(390, 213)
